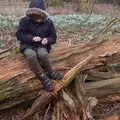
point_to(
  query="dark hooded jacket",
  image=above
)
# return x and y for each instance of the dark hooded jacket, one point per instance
(28, 29)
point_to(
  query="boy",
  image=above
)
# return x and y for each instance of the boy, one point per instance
(36, 33)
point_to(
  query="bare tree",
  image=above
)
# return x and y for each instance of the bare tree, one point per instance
(83, 5)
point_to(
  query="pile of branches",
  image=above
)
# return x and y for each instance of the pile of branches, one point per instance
(91, 71)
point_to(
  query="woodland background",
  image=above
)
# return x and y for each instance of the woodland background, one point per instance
(85, 28)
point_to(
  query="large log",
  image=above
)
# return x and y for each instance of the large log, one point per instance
(18, 83)
(45, 98)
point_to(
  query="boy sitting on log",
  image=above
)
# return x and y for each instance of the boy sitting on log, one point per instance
(36, 33)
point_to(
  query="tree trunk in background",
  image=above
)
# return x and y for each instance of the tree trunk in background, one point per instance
(85, 6)
(54, 3)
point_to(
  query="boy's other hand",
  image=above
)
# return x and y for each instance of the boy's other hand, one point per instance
(36, 39)
(44, 41)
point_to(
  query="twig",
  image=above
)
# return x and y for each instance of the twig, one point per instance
(46, 113)
(37, 116)
(69, 102)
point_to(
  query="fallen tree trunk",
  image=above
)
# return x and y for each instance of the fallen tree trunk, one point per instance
(18, 83)
(45, 98)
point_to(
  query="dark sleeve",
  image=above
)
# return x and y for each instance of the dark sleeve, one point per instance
(52, 37)
(22, 34)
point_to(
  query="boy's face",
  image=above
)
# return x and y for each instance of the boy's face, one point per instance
(37, 18)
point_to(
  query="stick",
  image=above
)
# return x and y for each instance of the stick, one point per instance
(99, 84)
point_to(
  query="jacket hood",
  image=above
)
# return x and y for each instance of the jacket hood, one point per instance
(37, 4)
(37, 11)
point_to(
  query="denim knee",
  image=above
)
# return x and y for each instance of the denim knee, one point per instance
(42, 53)
(30, 54)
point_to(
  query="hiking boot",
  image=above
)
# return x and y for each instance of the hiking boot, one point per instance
(55, 76)
(47, 83)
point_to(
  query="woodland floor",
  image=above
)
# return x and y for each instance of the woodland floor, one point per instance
(107, 9)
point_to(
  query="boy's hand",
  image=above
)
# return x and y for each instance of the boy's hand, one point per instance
(37, 39)
(44, 41)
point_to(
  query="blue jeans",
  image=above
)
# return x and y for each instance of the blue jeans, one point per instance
(38, 60)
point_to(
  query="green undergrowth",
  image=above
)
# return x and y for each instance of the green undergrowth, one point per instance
(61, 21)
(75, 26)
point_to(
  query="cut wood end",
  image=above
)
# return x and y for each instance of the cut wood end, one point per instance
(93, 101)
